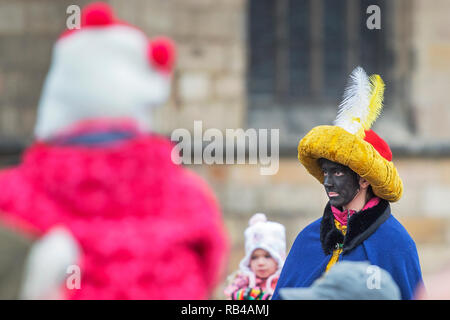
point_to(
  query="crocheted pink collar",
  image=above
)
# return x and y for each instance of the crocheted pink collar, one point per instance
(342, 216)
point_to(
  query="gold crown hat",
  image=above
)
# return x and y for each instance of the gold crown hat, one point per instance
(351, 142)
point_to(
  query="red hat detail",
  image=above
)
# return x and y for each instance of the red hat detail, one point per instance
(162, 53)
(379, 144)
(97, 14)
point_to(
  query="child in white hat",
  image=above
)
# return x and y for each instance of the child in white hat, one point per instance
(265, 252)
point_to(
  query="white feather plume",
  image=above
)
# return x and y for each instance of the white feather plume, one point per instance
(353, 108)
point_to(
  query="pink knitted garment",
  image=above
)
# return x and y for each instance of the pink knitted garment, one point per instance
(149, 229)
(241, 281)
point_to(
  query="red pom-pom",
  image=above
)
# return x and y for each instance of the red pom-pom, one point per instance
(162, 53)
(379, 144)
(97, 14)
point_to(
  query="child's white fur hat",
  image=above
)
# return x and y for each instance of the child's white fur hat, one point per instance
(267, 235)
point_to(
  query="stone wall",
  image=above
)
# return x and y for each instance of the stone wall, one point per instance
(210, 85)
(28, 30)
(431, 77)
(209, 82)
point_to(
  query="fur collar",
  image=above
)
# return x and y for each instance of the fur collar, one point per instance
(360, 227)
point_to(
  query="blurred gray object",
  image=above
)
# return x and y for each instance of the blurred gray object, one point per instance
(35, 268)
(348, 281)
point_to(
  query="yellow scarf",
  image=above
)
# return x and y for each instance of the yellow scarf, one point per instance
(337, 251)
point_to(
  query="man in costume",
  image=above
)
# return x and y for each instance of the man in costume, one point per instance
(146, 227)
(355, 166)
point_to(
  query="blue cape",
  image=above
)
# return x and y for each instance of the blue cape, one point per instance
(383, 242)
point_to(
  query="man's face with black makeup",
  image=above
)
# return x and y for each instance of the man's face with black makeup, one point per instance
(340, 182)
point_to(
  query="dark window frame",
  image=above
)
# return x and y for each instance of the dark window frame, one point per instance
(396, 21)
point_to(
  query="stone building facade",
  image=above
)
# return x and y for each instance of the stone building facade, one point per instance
(211, 84)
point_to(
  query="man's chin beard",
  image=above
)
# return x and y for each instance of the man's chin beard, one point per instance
(336, 204)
